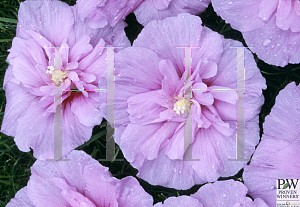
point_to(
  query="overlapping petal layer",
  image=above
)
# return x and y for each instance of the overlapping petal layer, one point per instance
(100, 13)
(277, 155)
(221, 193)
(81, 181)
(150, 10)
(271, 28)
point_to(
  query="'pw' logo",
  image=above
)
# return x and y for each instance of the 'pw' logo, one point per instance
(287, 183)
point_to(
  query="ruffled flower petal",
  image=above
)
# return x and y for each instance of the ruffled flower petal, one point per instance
(150, 10)
(278, 149)
(99, 13)
(270, 161)
(183, 201)
(226, 193)
(220, 193)
(79, 181)
(270, 28)
(48, 18)
(20, 199)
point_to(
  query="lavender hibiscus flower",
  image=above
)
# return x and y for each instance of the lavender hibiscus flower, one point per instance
(150, 10)
(99, 13)
(271, 27)
(82, 181)
(277, 155)
(32, 77)
(150, 103)
(221, 193)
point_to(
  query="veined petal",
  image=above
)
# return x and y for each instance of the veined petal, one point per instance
(155, 143)
(183, 201)
(24, 71)
(18, 99)
(161, 4)
(267, 9)
(171, 78)
(228, 193)
(86, 110)
(224, 94)
(150, 10)
(284, 8)
(20, 199)
(143, 108)
(55, 14)
(242, 15)
(80, 49)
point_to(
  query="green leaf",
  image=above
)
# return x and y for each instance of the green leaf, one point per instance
(2, 19)
(5, 40)
(5, 182)
(285, 186)
(116, 154)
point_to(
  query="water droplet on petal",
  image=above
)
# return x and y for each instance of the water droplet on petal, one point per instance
(230, 2)
(266, 42)
(224, 195)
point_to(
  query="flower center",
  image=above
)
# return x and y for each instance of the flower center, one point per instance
(181, 106)
(58, 76)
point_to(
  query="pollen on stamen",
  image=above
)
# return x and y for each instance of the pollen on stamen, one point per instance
(58, 76)
(181, 106)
